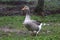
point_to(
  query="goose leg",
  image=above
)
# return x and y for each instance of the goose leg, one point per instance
(38, 31)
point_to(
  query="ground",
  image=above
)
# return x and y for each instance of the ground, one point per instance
(18, 32)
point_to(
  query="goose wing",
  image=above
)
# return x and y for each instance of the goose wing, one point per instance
(32, 26)
(36, 22)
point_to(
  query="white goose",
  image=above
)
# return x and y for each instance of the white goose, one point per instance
(31, 25)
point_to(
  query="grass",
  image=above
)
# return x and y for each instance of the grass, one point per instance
(51, 32)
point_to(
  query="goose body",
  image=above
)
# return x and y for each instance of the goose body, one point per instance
(31, 25)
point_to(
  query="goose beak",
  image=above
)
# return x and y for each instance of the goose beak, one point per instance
(23, 8)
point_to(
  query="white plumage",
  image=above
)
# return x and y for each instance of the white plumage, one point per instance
(31, 25)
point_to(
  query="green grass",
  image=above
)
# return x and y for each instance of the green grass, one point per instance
(16, 22)
(11, 21)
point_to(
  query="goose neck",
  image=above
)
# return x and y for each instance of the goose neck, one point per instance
(27, 17)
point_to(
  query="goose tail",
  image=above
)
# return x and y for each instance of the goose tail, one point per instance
(43, 24)
(40, 25)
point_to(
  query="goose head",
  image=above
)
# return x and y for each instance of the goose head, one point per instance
(26, 10)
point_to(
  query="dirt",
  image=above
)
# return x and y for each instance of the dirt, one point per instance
(8, 30)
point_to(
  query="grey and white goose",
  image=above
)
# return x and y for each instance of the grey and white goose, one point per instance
(31, 25)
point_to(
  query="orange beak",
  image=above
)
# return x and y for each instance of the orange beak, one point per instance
(23, 8)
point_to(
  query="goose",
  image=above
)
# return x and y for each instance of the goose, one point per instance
(32, 25)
